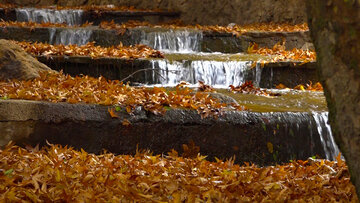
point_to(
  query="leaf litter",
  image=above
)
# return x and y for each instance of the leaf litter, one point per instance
(59, 87)
(62, 174)
(90, 50)
(279, 53)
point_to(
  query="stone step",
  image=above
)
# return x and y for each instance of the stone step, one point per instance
(158, 38)
(261, 138)
(272, 74)
(93, 16)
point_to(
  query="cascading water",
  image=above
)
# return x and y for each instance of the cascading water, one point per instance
(70, 36)
(70, 17)
(326, 137)
(258, 70)
(181, 41)
(216, 73)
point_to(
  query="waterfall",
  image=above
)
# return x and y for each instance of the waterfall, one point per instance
(70, 17)
(70, 36)
(257, 75)
(216, 73)
(326, 137)
(181, 41)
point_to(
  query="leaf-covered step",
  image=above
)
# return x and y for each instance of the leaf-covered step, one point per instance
(178, 39)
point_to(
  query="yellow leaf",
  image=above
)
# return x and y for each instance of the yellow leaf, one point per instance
(57, 177)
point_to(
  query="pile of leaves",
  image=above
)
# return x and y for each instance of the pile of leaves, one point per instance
(54, 87)
(279, 53)
(310, 87)
(120, 51)
(249, 88)
(233, 29)
(62, 174)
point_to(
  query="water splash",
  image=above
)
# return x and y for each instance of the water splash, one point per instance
(180, 41)
(219, 74)
(70, 36)
(326, 137)
(70, 17)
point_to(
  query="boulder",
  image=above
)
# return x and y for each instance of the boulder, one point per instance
(15, 63)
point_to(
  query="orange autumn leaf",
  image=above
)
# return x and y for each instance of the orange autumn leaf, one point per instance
(58, 87)
(112, 113)
(310, 87)
(249, 88)
(45, 175)
(89, 49)
(279, 53)
(126, 122)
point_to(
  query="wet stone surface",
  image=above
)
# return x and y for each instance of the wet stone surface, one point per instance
(171, 72)
(207, 41)
(262, 138)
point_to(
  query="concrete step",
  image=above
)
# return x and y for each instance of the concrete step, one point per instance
(93, 16)
(272, 74)
(158, 38)
(261, 138)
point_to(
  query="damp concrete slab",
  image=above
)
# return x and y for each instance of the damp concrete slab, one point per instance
(261, 138)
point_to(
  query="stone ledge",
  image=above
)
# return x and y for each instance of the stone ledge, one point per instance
(287, 73)
(211, 41)
(244, 134)
(118, 16)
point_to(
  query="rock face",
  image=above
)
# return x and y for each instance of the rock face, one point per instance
(203, 11)
(15, 63)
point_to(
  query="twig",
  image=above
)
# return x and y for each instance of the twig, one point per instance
(144, 69)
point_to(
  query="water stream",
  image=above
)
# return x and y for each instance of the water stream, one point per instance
(69, 17)
(69, 36)
(219, 74)
(178, 41)
(326, 137)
